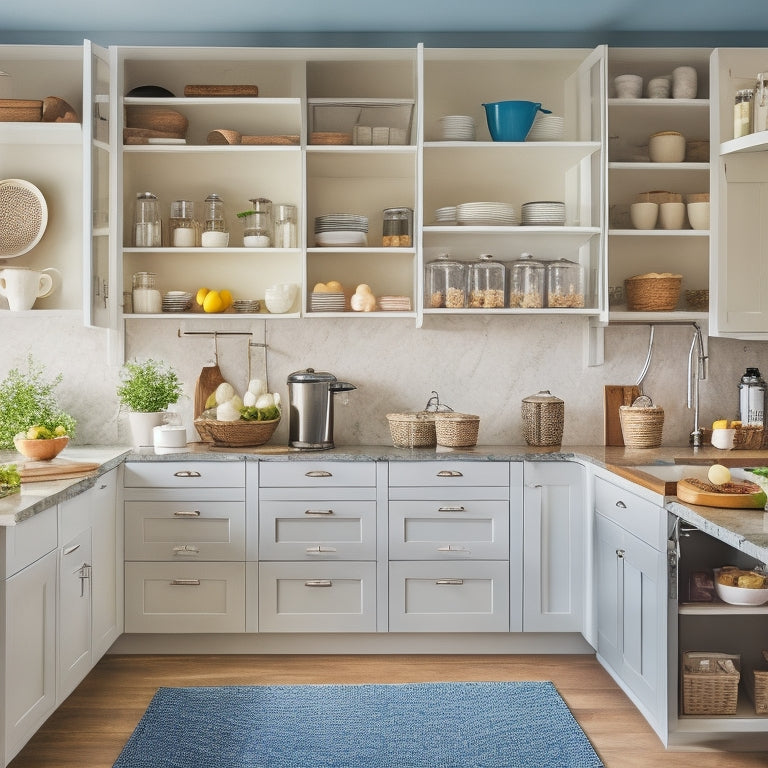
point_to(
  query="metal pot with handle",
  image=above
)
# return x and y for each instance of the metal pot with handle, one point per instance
(310, 398)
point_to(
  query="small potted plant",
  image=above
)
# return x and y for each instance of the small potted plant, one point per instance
(146, 390)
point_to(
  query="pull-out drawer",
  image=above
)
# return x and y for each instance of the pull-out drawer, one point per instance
(317, 597)
(461, 529)
(449, 597)
(633, 513)
(316, 474)
(183, 531)
(448, 474)
(184, 474)
(337, 530)
(184, 597)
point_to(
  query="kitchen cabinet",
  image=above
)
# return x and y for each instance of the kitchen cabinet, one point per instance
(630, 172)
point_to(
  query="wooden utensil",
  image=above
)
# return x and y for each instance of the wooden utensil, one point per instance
(221, 90)
(690, 494)
(142, 135)
(21, 111)
(156, 119)
(613, 397)
(210, 377)
(56, 110)
(55, 469)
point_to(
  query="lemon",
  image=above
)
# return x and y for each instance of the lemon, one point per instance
(226, 298)
(212, 302)
(718, 474)
(201, 294)
(720, 424)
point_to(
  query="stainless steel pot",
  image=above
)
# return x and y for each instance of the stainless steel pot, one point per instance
(310, 399)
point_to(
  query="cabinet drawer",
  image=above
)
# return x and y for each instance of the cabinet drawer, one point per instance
(167, 530)
(463, 529)
(317, 597)
(316, 474)
(446, 474)
(30, 540)
(184, 597)
(184, 474)
(455, 597)
(633, 513)
(338, 530)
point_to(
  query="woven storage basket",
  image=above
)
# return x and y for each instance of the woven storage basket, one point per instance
(757, 688)
(412, 430)
(649, 293)
(235, 434)
(456, 430)
(641, 427)
(710, 683)
(543, 419)
(748, 437)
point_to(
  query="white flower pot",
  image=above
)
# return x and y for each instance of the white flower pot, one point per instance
(142, 425)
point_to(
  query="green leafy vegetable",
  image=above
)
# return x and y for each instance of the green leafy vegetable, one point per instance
(9, 476)
(252, 413)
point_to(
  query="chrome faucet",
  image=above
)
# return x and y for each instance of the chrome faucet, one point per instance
(694, 377)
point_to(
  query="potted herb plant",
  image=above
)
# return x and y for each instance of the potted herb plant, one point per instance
(147, 389)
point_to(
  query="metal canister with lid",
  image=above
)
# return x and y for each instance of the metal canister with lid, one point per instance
(445, 283)
(565, 284)
(543, 419)
(526, 283)
(752, 398)
(486, 283)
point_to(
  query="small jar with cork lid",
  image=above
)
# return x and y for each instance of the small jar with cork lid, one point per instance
(182, 226)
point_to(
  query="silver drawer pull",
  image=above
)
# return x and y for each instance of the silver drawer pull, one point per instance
(620, 553)
(318, 511)
(187, 513)
(318, 583)
(317, 473)
(449, 473)
(319, 549)
(187, 473)
(70, 550)
(450, 582)
(451, 509)
(185, 583)
(186, 549)
(620, 504)
(451, 548)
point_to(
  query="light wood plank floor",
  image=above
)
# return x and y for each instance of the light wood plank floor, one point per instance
(93, 724)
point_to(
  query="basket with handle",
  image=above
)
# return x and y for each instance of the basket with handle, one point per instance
(641, 427)
(710, 683)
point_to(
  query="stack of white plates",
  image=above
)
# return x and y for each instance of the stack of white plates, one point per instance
(543, 214)
(446, 216)
(486, 214)
(457, 128)
(246, 305)
(341, 230)
(394, 303)
(326, 302)
(546, 128)
(176, 301)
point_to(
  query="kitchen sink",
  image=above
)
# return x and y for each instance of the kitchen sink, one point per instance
(672, 472)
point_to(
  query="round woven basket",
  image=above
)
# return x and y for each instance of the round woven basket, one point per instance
(412, 430)
(456, 430)
(543, 419)
(235, 434)
(641, 427)
(652, 294)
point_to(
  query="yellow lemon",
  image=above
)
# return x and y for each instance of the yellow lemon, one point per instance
(718, 474)
(201, 294)
(720, 424)
(226, 298)
(212, 302)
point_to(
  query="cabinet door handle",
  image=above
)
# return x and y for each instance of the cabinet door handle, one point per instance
(450, 582)
(451, 509)
(319, 550)
(317, 473)
(187, 473)
(187, 513)
(185, 582)
(318, 511)
(84, 574)
(318, 583)
(452, 548)
(449, 473)
(186, 549)
(620, 553)
(620, 504)
(70, 550)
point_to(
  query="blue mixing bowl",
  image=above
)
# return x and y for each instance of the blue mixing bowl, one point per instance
(511, 120)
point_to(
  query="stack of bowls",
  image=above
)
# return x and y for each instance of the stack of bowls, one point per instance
(547, 128)
(246, 305)
(486, 214)
(176, 301)
(457, 128)
(446, 216)
(543, 214)
(341, 230)
(326, 302)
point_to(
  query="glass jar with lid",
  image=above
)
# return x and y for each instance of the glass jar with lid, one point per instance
(397, 228)
(286, 227)
(565, 284)
(147, 231)
(258, 223)
(213, 214)
(445, 283)
(182, 225)
(742, 113)
(486, 281)
(526, 283)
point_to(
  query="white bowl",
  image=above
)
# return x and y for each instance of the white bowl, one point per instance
(628, 86)
(723, 438)
(740, 595)
(666, 147)
(280, 298)
(698, 215)
(671, 215)
(644, 215)
(658, 88)
(215, 239)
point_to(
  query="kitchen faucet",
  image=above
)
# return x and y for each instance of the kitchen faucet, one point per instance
(697, 344)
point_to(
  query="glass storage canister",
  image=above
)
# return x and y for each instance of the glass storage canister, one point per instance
(145, 296)
(486, 283)
(543, 419)
(258, 223)
(183, 229)
(147, 230)
(213, 214)
(760, 104)
(742, 113)
(445, 283)
(526, 283)
(397, 228)
(286, 227)
(565, 284)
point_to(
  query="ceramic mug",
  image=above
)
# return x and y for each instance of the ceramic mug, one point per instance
(644, 215)
(671, 215)
(22, 286)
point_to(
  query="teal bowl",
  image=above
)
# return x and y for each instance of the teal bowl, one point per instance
(511, 120)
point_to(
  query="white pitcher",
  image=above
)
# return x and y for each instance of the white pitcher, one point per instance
(21, 286)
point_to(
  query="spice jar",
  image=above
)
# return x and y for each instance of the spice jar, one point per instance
(213, 214)
(526, 283)
(565, 284)
(445, 283)
(543, 419)
(258, 224)
(742, 113)
(147, 231)
(397, 228)
(486, 283)
(145, 297)
(182, 225)
(285, 226)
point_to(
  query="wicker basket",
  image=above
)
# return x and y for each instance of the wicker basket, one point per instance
(412, 430)
(757, 688)
(748, 437)
(641, 427)
(456, 430)
(654, 292)
(235, 434)
(543, 419)
(710, 683)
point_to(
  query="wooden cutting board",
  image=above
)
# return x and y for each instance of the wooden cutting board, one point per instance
(55, 469)
(693, 495)
(210, 378)
(615, 395)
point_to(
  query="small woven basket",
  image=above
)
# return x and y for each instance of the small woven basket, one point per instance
(412, 430)
(710, 683)
(235, 434)
(757, 688)
(543, 419)
(641, 427)
(456, 430)
(652, 294)
(748, 437)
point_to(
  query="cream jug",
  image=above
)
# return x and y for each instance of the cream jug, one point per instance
(22, 286)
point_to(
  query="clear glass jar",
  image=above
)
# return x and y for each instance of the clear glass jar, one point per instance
(445, 283)
(286, 227)
(258, 224)
(760, 104)
(213, 214)
(486, 283)
(565, 284)
(145, 296)
(526, 283)
(183, 232)
(147, 230)
(397, 228)
(742, 113)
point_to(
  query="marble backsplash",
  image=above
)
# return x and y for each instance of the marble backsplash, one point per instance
(481, 364)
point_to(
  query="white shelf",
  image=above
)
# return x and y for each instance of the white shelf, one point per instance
(41, 133)
(635, 166)
(507, 311)
(664, 104)
(719, 608)
(658, 232)
(677, 316)
(753, 142)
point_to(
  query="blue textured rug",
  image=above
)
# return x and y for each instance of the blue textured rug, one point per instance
(412, 725)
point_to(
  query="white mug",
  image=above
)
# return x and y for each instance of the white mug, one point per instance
(22, 286)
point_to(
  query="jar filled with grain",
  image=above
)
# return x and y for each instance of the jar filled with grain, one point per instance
(565, 284)
(445, 283)
(397, 228)
(526, 283)
(742, 113)
(486, 281)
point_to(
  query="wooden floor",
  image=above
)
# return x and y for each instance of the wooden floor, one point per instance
(92, 725)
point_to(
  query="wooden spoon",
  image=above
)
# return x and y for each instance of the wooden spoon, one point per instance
(56, 110)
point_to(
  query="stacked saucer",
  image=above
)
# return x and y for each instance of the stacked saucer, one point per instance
(341, 230)
(176, 301)
(326, 302)
(446, 216)
(394, 303)
(246, 305)
(546, 128)
(457, 128)
(543, 214)
(486, 214)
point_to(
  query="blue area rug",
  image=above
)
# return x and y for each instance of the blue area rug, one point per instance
(412, 725)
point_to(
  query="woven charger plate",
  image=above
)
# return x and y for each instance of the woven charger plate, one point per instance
(235, 434)
(23, 217)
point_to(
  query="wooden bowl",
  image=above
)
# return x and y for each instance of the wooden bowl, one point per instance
(41, 450)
